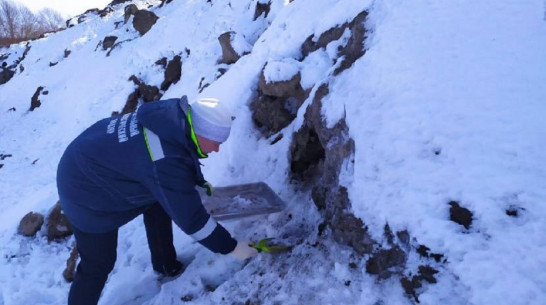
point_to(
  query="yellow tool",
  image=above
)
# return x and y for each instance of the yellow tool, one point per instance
(264, 246)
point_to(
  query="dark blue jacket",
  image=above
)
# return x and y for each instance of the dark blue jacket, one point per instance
(121, 165)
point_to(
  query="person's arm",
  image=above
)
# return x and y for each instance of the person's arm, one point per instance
(175, 188)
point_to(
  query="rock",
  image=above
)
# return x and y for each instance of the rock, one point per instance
(382, 262)
(30, 224)
(131, 104)
(135, 80)
(460, 215)
(350, 230)
(187, 298)
(427, 273)
(162, 62)
(307, 154)
(229, 55)
(387, 233)
(81, 19)
(143, 21)
(424, 251)
(514, 211)
(95, 11)
(354, 49)
(58, 226)
(410, 286)
(67, 53)
(149, 93)
(317, 154)
(70, 271)
(173, 72)
(277, 103)
(108, 42)
(163, 2)
(143, 91)
(107, 10)
(318, 195)
(35, 102)
(262, 8)
(287, 88)
(404, 238)
(270, 114)
(333, 34)
(6, 75)
(130, 10)
(116, 2)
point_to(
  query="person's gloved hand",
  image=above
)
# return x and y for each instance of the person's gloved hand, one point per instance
(243, 250)
(208, 187)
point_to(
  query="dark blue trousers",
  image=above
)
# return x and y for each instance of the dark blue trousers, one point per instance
(98, 255)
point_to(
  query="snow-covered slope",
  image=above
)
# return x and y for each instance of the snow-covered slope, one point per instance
(447, 104)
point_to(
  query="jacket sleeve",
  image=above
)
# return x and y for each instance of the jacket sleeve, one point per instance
(175, 187)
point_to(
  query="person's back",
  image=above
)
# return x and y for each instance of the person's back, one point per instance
(141, 163)
(112, 155)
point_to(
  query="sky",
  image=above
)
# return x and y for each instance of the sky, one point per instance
(67, 8)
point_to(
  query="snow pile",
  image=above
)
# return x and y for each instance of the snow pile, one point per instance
(446, 105)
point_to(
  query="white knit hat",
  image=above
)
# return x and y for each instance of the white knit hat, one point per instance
(211, 119)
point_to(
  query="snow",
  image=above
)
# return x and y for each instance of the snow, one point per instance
(282, 70)
(446, 104)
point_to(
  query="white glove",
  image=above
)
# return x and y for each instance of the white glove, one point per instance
(243, 250)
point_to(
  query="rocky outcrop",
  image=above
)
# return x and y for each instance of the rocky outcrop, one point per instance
(412, 284)
(386, 262)
(35, 102)
(87, 14)
(30, 224)
(229, 55)
(5, 75)
(173, 72)
(277, 103)
(143, 92)
(147, 92)
(58, 226)
(262, 9)
(130, 10)
(317, 155)
(460, 215)
(143, 21)
(116, 2)
(7, 71)
(163, 2)
(108, 42)
(270, 114)
(287, 88)
(354, 49)
(351, 51)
